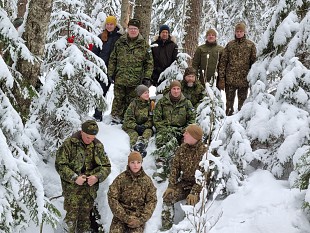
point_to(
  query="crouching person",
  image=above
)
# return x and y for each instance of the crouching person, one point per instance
(182, 184)
(138, 120)
(132, 198)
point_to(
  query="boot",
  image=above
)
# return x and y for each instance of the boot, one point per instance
(140, 146)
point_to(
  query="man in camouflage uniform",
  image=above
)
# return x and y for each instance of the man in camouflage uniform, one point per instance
(191, 88)
(206, 58)
(235, 63)
(132, 198)
(138, 121)
(82, 164)
(172, 114)
(130, 64)
(182, 184)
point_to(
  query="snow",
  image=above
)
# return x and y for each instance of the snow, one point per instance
(261, 204)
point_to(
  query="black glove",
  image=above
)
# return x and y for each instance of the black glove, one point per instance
(140, 129)
(147, 82)
(111, 80)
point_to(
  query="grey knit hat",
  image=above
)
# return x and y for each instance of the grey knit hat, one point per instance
(141, 89)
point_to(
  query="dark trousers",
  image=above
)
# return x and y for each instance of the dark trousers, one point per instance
(242, 93)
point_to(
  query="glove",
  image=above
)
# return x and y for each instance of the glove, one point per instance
(140, 129)
(111, 80)
(147, 82)
(192, 199)
(134, 222)
(221, 84)
(169, 192)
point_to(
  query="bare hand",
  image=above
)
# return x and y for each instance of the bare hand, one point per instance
(91, 180)
(80, 180)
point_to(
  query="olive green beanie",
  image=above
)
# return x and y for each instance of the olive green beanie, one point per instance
(90, 127)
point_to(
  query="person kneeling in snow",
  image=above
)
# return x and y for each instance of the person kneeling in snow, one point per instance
(138, 120)
(182, 184)
(132, 197)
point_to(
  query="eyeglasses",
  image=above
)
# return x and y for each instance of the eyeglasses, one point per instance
(133, 29)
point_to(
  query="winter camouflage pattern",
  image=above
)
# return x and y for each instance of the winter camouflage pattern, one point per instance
(195, 94)
(74, 158)
(236, 61)
(168, 115)
(130, 62)
(182, 178)
(131, 195)
(205, 65)
(139, 112)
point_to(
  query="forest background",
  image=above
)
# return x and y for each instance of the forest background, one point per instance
(48, 87)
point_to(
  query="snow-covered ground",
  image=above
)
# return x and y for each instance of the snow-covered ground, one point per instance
(262, 205)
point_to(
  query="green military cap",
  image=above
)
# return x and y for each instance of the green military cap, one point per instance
(90, 127)
(134, 22)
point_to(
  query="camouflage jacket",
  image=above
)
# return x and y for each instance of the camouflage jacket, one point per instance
(195, 93)
(138, 113)
(178, 115)
(74, 158)
(130, 61)
(200, 60)
(184, 165)
(236, 61)
(132, 195)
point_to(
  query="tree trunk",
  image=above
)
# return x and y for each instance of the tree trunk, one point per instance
(143, 11)
(192, 26)
(36, 28)
(126, 11)
(21, 8)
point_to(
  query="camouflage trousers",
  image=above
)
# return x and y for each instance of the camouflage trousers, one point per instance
(133, 135)
(78, 203)
(242, 93)
(167, 213)
(118, 226)
(123, 95)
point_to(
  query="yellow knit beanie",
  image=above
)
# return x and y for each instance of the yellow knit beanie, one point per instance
(111, 19)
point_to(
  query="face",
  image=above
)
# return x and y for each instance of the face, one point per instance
(135, 166)
(239, 34)
(189, 139)
(211, 37)
(133, 31)
(87, 138)
(145, 95)
(164, 35)
(110, 27)
(175, 91)
(190, 79)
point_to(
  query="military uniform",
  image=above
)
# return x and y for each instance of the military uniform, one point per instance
(129, 63)
(195, 93)
(131, 194)
(182, 178)
(207, 66)
(172, 118)
(75, 158)
(236, 61)
(139, 112)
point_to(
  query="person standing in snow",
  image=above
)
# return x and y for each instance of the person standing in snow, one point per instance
(182, 183)
(235, 64)
(164, 51)
(130, 65)
(206, 58)
(111, 33)
(192, 88)
(138, 120)
(132, 197)
(82, 164)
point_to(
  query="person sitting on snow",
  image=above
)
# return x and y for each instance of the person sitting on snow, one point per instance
(138, 120)
(182, 183)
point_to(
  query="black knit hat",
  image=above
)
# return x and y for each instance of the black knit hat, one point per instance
(164, 27)
(134, 22)
(90, 127)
